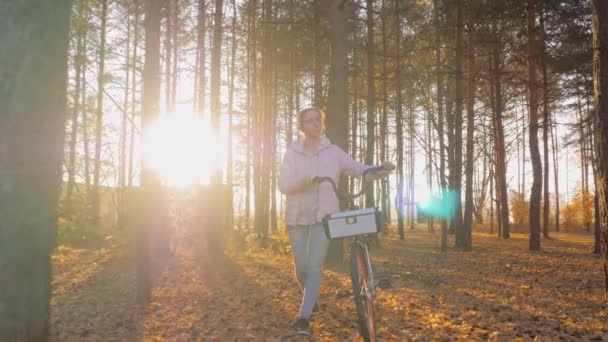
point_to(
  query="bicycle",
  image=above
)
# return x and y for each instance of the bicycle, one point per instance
(357, 224)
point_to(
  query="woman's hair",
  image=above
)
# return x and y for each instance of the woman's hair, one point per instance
(310, 109)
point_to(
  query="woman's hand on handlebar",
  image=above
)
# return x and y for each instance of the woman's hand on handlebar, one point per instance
(388, 166)
(385, 170)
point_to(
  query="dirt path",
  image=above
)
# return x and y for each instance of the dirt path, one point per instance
(500, 291)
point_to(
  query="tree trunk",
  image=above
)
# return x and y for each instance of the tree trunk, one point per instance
(554, 147)
(85, 114)
(229, 166)
(202, 51)
(466, 237)
(122, 172)
(458, 118)
(499, 147)
(175, 72)
(99, 113)
(292, 75)
(384, 147)
(399, 122)
(33, 65)
(168, 51)
(600, 86)
(134, 69)
(317, 65)
(78, 58)
(537, 184)
(337, 101)
(150, 182)
(546, 128)
(440, 131)
(125, 110)
(371, 100)
(215, 82)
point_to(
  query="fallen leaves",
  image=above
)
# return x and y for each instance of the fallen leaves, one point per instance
(498, 292)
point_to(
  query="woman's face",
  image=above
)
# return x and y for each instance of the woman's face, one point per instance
(312, 125)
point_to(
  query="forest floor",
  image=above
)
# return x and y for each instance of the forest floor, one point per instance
(499, 291)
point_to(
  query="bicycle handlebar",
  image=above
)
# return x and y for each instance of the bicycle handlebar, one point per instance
(371, 170)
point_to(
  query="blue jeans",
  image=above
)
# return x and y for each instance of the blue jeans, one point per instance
(309, 246)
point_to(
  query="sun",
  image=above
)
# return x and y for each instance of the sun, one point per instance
(178, 147)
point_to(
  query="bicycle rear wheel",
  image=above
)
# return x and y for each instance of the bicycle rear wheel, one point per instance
(361, 285)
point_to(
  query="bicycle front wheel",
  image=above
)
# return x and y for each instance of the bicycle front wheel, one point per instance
(361, 290)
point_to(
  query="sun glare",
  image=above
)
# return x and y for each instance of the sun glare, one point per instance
(423, 199)
(179, 148)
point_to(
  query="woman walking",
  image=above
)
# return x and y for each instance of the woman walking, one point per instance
(313, 155)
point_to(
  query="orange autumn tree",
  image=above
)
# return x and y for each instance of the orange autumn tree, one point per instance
(520, 208)
(579, 212)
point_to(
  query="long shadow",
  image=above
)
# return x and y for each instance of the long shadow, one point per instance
(223, 297)
(93, 301)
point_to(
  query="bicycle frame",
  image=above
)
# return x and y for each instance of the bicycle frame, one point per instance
(359, 246)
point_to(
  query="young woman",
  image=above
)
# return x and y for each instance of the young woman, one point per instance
(307, 203)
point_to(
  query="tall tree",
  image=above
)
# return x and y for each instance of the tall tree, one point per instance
(33, 64)
(150, 182)
(600, 97)
(399, 122)
(440, 131)
(371, 100)
(546, 126)
(95, 194)
(230, 162)
(468, 203)
(318, 8)
(499, 142)
(535, 195)
(456, 167)
(201, 31)
(215, 77)
(337, 101)
(78, 29)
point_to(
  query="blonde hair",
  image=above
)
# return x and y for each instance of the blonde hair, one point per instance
(311, 109)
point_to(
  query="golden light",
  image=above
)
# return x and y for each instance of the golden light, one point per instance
(178, 147)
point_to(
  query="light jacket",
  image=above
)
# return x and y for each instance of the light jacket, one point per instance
(332, 162)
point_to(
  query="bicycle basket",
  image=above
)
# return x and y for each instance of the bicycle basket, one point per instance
(351, 223)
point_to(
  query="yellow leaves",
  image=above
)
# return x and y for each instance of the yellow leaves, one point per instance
(253, 295)
(579, 211)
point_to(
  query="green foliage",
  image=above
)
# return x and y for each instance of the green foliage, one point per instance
(75, 227)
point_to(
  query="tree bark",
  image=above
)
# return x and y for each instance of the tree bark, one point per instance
(458, 118)
(554, 147)
(99, 113)
(466, 238)
(371, 100)
(134, 68)
(33, 64)
(316, 61)
(229, 166)
(440, 118)
(499, 146)
(337, 101)
(150, 182)
(215, 81)
(535, 196)
(78, 58)
(600, 96)
(546, 128)
(202, 53)
(399, 122)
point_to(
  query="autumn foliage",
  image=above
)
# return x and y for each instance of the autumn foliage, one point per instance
(579, 212)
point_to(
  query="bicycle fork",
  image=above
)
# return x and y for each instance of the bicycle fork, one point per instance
(370, 291)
